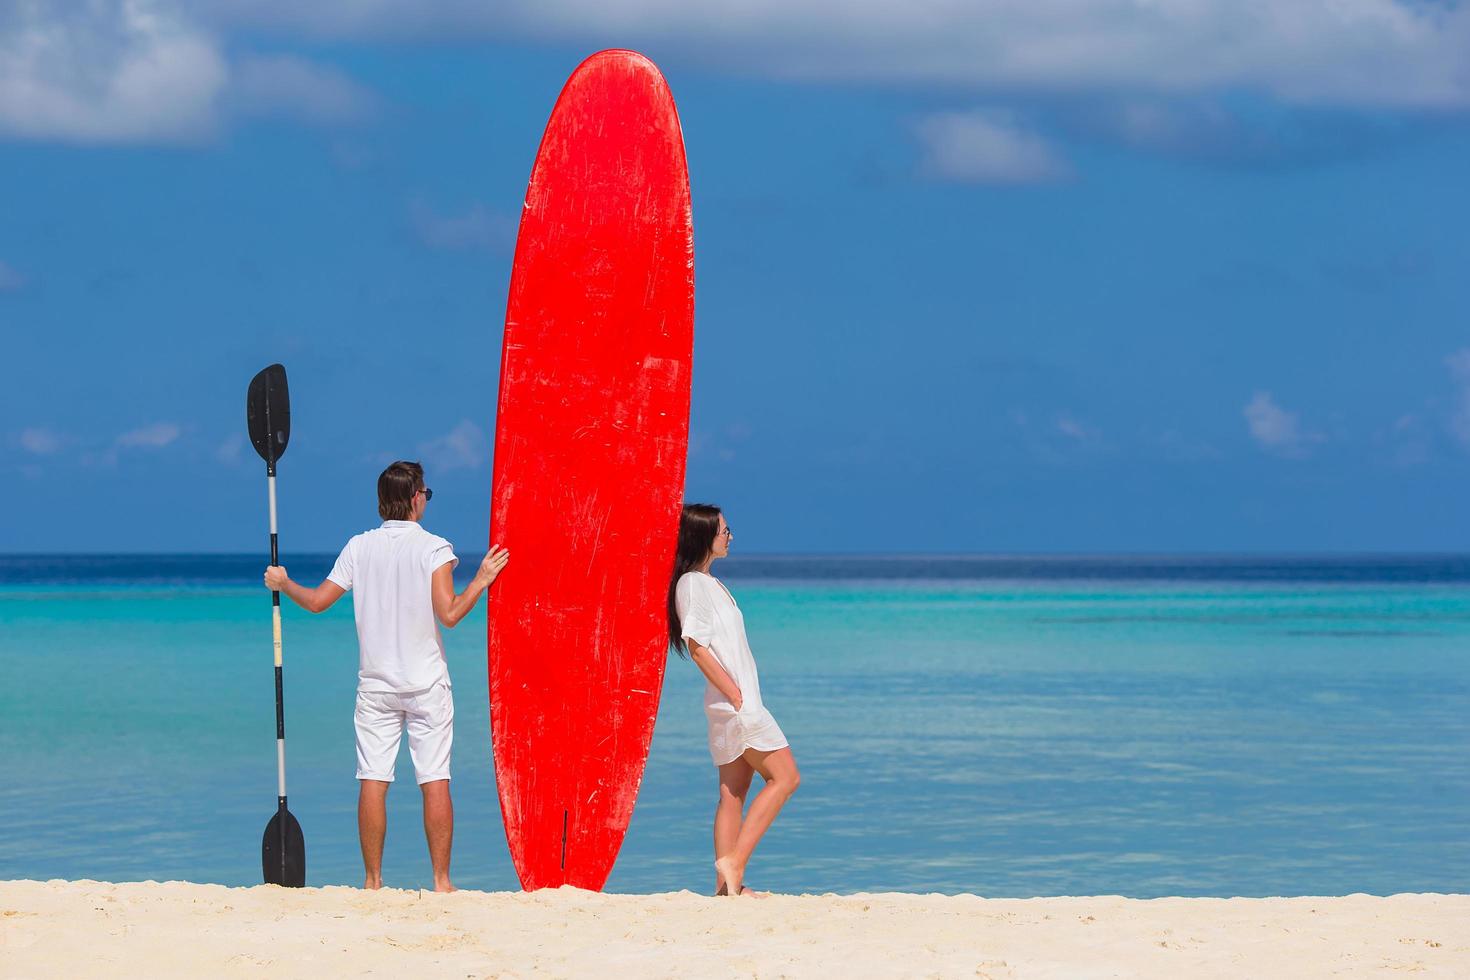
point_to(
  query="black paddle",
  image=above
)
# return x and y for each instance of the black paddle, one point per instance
(268, 415)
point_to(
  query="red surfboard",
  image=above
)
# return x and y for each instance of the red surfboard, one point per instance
(591, 438)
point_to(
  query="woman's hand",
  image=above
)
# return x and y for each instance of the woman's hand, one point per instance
(710, 667)
(491, 566)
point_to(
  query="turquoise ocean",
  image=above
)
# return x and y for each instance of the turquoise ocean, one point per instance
(1004, 726)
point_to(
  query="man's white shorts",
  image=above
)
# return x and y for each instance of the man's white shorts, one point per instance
(380, 719)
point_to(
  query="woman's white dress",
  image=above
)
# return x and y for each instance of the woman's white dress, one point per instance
(709, 616)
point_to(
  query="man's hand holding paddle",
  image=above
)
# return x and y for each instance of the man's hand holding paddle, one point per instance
(315, 600)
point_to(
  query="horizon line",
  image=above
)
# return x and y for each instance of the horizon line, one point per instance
(848, 555)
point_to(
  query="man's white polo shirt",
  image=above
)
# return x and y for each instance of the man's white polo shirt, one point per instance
(388, 570)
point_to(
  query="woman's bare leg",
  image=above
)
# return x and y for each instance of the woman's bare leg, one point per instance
(734, 784)
(779, 770)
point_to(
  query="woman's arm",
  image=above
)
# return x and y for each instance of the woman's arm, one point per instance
(451, 608)
(710, 667)
(314, 600)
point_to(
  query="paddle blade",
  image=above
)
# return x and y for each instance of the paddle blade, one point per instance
(268, 413)
(292, 873)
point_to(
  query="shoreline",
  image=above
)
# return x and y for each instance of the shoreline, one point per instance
(89, 928)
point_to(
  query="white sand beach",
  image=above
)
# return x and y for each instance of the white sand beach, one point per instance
(88, 928)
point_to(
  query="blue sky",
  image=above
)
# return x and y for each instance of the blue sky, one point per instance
(1030, 277)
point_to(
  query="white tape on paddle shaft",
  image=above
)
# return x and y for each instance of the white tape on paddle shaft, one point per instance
(272, 482)
(280, 767)
(276, 631)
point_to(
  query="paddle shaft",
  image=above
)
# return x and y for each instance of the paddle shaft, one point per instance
(270, 477)
(276, 639)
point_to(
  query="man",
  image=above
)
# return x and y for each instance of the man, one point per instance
(401, 578)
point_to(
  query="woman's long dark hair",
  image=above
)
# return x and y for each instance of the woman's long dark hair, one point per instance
(698, 525)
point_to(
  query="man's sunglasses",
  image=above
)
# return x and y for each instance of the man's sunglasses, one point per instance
(428, 494)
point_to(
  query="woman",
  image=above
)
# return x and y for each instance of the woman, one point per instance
(743, 737)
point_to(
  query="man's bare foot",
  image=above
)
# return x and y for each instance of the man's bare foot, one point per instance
(373, 884)
(444, 886)
(730, 873)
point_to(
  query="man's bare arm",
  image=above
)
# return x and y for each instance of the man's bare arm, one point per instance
(314, 600)
(451, 608)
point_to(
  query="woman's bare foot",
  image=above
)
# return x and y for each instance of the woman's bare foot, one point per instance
(746, 892)
(730, 873)
(373, 884)
(444, 886)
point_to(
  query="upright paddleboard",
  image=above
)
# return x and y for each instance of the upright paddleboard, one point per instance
(591, 438)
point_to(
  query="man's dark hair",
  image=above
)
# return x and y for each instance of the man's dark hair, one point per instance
(396, 487)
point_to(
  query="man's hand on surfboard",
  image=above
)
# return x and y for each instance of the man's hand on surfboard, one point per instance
(494, 561)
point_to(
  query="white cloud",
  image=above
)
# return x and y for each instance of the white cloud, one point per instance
(291, 87)
(1204, 128)
(155, 436)
(41, 442)
(987, 146)
(148, 71)
(463, 447)
(476, 228)
(1276, 429)
(10, 280)
(1407, 440)
(1058, 439)
(129, 71)
(231, 451)
(110, 71)
(1074, 430)
(1405, 53)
